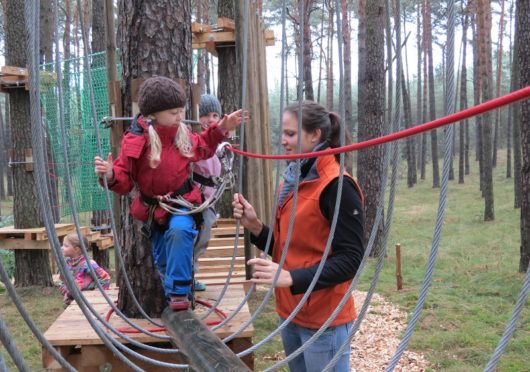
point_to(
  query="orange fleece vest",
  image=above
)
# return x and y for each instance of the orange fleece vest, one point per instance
(308, 241)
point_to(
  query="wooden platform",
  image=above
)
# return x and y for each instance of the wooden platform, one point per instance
(74, 338)
(215, 263)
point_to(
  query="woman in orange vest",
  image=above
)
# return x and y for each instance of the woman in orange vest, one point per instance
(315, 207)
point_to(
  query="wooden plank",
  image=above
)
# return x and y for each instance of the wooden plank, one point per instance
(226, 251)
(216, 242)
(13, 243)
(226, 24)
(226, 231)
(199, 28)
(220, 268)
(16, 71)
(205, 351)
(218, 37)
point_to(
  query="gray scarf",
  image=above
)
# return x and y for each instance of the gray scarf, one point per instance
(292, 173)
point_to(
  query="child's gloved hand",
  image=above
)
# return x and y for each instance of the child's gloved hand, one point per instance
(232, 121)
(104, 167)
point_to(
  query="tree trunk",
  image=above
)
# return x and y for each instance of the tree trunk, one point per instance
(141, 38)
(3, 158)
(523, 57)
(410, 150)
(9, 146)
(371, 105)
(308, 51)
(509, 131)
(418, 139)
(517, 151)
(432, 102)
(329, 60)
(321, 56)
(498, 85)
(346, 35)
(202, 17)
(423, 163)
(463, 105)
(486, 73)
(32, 266)
(229, 90)
(47, 30)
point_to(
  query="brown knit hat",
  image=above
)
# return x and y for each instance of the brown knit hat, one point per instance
(160, 93)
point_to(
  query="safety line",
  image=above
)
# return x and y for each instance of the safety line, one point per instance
(490, 105)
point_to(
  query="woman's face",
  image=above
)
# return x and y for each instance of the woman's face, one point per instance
(308, 140)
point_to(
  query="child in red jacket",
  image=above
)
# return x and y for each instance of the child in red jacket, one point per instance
(156, 153)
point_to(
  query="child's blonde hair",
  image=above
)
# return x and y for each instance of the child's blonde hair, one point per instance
(75, 240)
(182, 143)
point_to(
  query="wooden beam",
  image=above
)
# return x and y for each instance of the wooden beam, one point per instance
(226, 24)
(199, 28)
(205, 351)
(218, 37)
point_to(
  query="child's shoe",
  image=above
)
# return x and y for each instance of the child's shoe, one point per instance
(178, 303)
(199, 286)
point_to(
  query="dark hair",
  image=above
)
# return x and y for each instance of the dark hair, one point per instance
(315, 116)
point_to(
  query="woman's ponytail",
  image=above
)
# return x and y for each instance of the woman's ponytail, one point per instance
(334, 137)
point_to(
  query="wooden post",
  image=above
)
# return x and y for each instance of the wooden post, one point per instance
(205, 351)
(399, 278)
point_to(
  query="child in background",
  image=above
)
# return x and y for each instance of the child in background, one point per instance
(78, 266)
(155, 159)
(209, 113)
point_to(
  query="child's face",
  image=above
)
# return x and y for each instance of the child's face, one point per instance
(69, 250)
(169, 118)
(209, 119)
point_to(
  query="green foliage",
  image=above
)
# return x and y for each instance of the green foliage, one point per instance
(7, 258)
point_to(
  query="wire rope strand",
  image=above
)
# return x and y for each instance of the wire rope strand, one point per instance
(31, 24)
(11, 348)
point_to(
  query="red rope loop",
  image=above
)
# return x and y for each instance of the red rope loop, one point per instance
(493, 104)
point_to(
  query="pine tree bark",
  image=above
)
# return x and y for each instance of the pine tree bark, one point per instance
(427, 27)
(148, 47)
(498, 85)
(32, 266)
(308, 51)
(329, 60)
(517, 151)
(346, 35)
(229, 89)
(523, 57)
(371, 106)
(463, 105)
(486, 73)
(3, 158)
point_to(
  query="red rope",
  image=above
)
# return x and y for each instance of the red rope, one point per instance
(218, 311)
(493, 104)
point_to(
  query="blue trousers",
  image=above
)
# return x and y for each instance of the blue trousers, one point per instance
(320, 352)
(173, 254)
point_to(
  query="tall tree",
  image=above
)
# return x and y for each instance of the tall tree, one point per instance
(229, 87)
(3, 155)
(346, 36)
(427, 29)
(516, 120)
(371, 105)
(148, 47)
(46, 32)
(32, 266)
(463, 103)
(330, 82)
(509, 130)
(485, 68)
(523, 57)
(308, 50)
(498, 81)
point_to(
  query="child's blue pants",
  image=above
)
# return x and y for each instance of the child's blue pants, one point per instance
(173, 254)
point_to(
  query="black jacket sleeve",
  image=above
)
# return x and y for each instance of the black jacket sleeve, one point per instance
(347, 247)
(260, 241)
